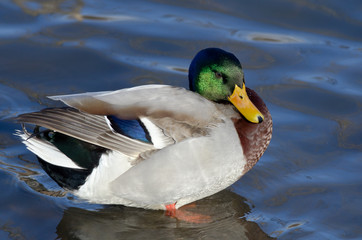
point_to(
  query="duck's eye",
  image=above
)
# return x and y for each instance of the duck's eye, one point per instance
(218, 75)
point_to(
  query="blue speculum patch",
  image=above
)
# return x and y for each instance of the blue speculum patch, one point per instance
(130, 128)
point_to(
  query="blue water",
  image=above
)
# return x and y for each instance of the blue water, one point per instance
(303, 57)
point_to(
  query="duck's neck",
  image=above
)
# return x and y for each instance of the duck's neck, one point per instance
(254, 138)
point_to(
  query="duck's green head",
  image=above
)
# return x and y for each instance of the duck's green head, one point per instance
(218, 76)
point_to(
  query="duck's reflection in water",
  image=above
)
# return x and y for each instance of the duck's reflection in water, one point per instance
(225, 209)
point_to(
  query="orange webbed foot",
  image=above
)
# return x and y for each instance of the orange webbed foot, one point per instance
(187, 216)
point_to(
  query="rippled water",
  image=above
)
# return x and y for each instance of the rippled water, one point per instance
(303, 57)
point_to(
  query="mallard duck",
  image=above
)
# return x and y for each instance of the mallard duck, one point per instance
(154, 146)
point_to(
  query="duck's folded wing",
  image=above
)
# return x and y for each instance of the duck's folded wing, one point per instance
(86, 127)
(166, 115)
(154, 101)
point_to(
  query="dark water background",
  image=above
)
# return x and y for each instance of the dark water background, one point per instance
(303, 57)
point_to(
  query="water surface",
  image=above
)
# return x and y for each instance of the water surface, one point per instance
(303, 57)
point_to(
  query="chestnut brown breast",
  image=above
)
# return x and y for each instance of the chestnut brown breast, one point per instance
(254, 138)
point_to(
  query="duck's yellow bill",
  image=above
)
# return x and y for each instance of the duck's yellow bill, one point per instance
(241, 101)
